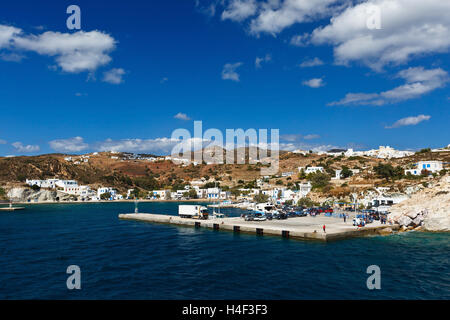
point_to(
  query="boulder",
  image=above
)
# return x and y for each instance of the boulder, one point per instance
(418, 220)
(440, 221)
(384, 231)
(404, 221)
(412, 214)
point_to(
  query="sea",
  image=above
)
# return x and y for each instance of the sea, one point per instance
(120, 259)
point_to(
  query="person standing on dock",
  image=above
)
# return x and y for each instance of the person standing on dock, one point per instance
(324, 229)
(345, 217)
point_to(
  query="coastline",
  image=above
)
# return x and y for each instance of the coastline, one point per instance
(109, 201)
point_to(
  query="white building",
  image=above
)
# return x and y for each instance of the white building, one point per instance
(338, 173)
(287, 174)
(161, 194)
(431, 166)
(48, 183)
(111, 191)
(388, 200)
(201, 193)
(383, 152)
(66, 184)
(309, 170)
(129, 191)
(82, 191)
(304, 189)
(213, 193)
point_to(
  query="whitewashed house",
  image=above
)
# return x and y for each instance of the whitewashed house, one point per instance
(213, 193)
(66, 184)
(309, 170)
(161, 194)
(109, 190)
(48, 183)
(431, 166)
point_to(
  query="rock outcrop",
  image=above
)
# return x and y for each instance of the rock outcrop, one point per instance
(428, 209)
(29, 195)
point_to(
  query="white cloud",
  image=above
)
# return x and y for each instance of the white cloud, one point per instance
(298, 137)
(311, 63)
(25, 148)
(291, 137)
(182, 116)
(409, 121)
(275, 16)
(229, 71)
(12, 57)
(208, 10)
(7, 35)
(419, 81)
(259, 60)
(74, 144)
(114, 76)
(239, 10)
(311, 136)
(306, 146)
(409, 28)
(300, 40)
(158, 145)
(73, 52)
(314, 83)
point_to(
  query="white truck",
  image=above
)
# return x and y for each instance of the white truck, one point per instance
(193, 211)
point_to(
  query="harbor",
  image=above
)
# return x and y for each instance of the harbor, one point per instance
(306, 228)
(11, 208)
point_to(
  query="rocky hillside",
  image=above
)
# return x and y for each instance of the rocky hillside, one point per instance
(428, 209)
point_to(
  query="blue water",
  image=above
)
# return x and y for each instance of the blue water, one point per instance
(134, 260)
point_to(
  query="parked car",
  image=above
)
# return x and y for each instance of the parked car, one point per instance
(259, 217)
(281, 216)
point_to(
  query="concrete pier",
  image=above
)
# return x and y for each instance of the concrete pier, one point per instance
(308, 228)
(11, 208)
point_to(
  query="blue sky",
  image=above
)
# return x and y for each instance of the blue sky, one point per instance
(120, 81)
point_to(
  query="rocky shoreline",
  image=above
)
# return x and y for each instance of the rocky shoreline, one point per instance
(427, 210)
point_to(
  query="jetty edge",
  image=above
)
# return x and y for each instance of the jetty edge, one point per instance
(11, 208)
(301, 228)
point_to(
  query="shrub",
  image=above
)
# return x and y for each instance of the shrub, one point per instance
(2, 193)
(260, 198)
(105, 196)
(346, 172)
(388, 172)
(305, 202)
(319, 179)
